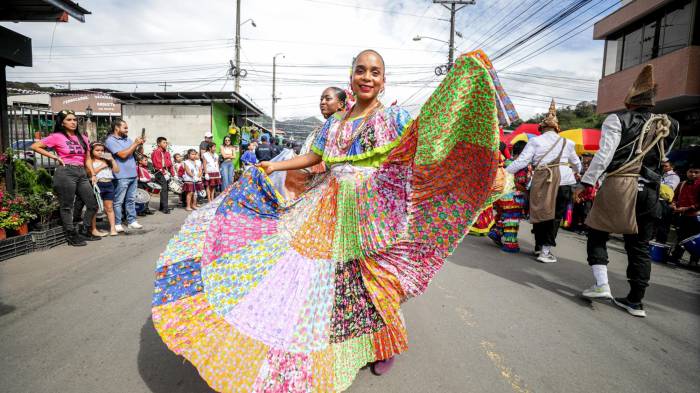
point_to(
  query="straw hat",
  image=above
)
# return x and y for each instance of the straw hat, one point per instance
(550, 120)
(643, 90)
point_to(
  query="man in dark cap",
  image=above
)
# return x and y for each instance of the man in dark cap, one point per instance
(632, 145)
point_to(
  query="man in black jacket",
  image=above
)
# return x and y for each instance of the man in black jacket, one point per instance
(265, 151)
(619, 142)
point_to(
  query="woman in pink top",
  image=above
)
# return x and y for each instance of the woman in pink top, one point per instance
(73, 174)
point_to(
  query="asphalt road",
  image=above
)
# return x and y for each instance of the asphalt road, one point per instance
(78, 320)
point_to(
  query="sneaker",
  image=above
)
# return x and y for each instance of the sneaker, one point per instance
(119, 228)
(598, 291)
(547, 258)
(636, 309)
(135, 225)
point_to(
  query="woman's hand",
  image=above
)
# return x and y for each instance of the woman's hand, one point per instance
(267, 166)
(60, 161)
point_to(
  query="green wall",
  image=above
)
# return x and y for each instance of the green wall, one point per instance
(220, 113)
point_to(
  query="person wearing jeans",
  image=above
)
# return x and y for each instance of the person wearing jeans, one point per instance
(124, 200)
(229, 153)
(123, 148)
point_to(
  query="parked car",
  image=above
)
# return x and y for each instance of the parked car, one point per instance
(23, 151)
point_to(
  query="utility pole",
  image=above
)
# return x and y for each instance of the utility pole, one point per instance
(237, 74)
(165, 86)
(274, 92)
(452, 7)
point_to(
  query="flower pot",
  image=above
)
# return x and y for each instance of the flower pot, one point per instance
(3, 234)
(23, 230)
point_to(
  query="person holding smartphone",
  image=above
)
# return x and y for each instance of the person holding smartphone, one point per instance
(122, 148)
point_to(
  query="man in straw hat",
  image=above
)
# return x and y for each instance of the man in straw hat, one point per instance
(633, 144)
(554, 163)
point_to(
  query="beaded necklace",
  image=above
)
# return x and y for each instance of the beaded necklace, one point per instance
(343, 146)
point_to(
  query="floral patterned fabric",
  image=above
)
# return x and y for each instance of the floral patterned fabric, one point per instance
(267, 295)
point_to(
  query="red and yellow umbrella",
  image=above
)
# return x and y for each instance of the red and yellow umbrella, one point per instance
(587, 140)
(524, 137)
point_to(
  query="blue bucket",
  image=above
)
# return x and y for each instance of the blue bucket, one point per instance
(658, 252)
(692, 245)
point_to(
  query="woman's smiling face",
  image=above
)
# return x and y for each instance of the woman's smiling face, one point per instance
(368, 76)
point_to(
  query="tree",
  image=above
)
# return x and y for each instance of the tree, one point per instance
(583, 115)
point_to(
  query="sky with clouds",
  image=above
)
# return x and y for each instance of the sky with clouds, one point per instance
(136, 45)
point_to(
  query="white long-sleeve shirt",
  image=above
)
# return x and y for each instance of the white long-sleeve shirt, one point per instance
(536, 149)
(610, 136)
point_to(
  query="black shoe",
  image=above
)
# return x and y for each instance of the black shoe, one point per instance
(90, 237)
(636, 309)
(150, 212)
(141, 214)
(75, 240)
(165, 211)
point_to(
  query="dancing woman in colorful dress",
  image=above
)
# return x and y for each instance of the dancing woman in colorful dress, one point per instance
(266, 294)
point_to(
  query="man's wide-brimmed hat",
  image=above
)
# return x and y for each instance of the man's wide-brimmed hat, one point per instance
(550, 120)
(643, 91)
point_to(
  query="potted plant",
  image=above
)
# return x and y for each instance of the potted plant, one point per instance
(11, 221)
(42, 206)
(19, 214)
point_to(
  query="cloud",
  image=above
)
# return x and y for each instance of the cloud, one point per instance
(189, 45)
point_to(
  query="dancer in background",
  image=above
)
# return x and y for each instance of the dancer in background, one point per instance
(511, 208)
(554, 162)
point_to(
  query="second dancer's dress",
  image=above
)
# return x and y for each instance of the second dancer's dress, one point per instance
(266, 295)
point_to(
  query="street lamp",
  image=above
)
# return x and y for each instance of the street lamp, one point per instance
(420, 37)
(252, 22)
(236, 71)
(88, 112)
(274, 95)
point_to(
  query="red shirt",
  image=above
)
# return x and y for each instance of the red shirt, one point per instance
(144, 174)
(161, 161)
(688, 195)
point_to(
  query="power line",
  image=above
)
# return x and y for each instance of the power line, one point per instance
(541, 28)
(551, 31)
(554, 43)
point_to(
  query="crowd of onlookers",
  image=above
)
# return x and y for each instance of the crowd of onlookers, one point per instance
(117, 178)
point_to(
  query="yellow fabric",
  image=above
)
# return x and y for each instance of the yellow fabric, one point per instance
(666, 193)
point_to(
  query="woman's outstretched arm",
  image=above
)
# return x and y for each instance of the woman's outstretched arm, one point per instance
(299, 162)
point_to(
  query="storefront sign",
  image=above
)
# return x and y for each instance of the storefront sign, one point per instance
(101, 104)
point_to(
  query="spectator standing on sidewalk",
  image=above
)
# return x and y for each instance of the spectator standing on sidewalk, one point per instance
(632, 145)
(670, 177)
(265, 151)
(229, 154)
(204, 145)
(104, 168)
(248, 158)
(686, 207)
(122, 148)
(163, 165)
(73, 174)
(212, 175)
(145, 181)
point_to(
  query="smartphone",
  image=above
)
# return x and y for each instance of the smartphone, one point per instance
(143, 133)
